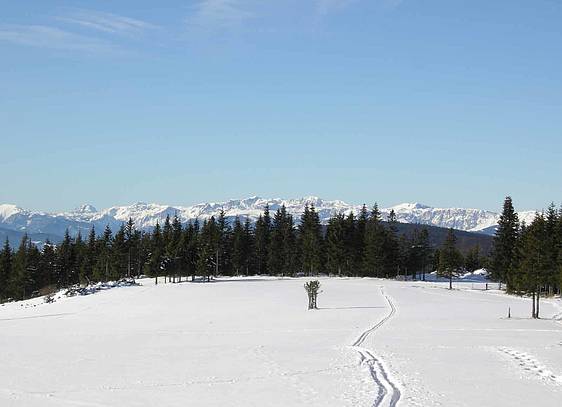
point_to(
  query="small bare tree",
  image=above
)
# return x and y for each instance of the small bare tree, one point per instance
(313, 289)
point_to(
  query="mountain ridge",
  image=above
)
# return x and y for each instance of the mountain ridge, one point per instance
(146, 215)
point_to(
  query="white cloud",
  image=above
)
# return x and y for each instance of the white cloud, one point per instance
(51, 37)
(107, 22)
(330, 6)
(219, 15)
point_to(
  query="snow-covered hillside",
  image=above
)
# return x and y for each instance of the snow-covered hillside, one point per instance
(251, 342)
(146, 215)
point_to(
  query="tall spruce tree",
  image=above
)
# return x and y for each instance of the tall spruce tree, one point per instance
(336, 249)
(392, 247)
(310, 239)
(505, 243)
(282, 251)
(374, 253)
(5, 269)
(262, 235)
(450, 259)
(47, 273)
(238, 247)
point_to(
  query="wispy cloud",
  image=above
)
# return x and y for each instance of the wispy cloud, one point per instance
(218, 15)
(52, 37)
(107, 22)
(324, 7)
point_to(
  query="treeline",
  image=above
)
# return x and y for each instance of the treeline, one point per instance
(349, 245)
(528, 258)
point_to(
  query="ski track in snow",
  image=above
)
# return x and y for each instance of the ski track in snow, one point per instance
(388, 393)
(529, 364)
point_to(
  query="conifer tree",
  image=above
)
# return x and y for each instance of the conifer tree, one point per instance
(79, 251)
(262, 241)
(392, 247)
(359, 240)
(5, 270)
(156, 252)
(374, 255)
(65, 262)
(282, 250)
(101, 268)
(249, 244)
(310, 239)
(119, 255)
(47, 268)
(552, 240)
(450, 259)
(336, 245)
(473, 260)
(89, 258)
(24, 266)
(208, 249)
(534, 262)
(238, 249)
(352, 255)
(505, 241)
(223, 244)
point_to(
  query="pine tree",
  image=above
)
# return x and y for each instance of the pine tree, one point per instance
(282, 249)
(167, 231)
(424, 250)
(392, 247)
(336, 245)
(156, 252)
(534, 265)
(505, 241)
(65, 262)
(47, 268)
(552, 249)
(472, 259)
(249, 245)
(223, 244)
(352, 252)
(238, 249)
(132, 243)
(310, 239)
(374, 255)
(208, 249)
(103, 249)
(359, 239)
(24, 266)
(262, 241)
(5, 270)
(119, 255)
(450, 259)
(89, 258)
(79, 250)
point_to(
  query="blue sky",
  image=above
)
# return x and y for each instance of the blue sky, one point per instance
(449, 103)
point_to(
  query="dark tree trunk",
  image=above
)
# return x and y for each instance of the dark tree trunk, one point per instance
(538, 298)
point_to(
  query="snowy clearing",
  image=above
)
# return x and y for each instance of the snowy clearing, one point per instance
(251, 342)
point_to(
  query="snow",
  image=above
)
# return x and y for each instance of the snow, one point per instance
(145, 215)
(251, 342)
(8, 210)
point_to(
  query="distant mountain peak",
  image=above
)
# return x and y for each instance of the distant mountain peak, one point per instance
(7, 210)
(146, 215)
(85, 208)
(409, 206)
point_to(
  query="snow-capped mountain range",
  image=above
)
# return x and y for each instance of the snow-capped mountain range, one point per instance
(146, 215)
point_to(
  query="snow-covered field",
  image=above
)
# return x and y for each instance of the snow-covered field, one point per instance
(251, 342)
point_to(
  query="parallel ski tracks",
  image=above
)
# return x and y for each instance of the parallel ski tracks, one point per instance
(388, 393)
